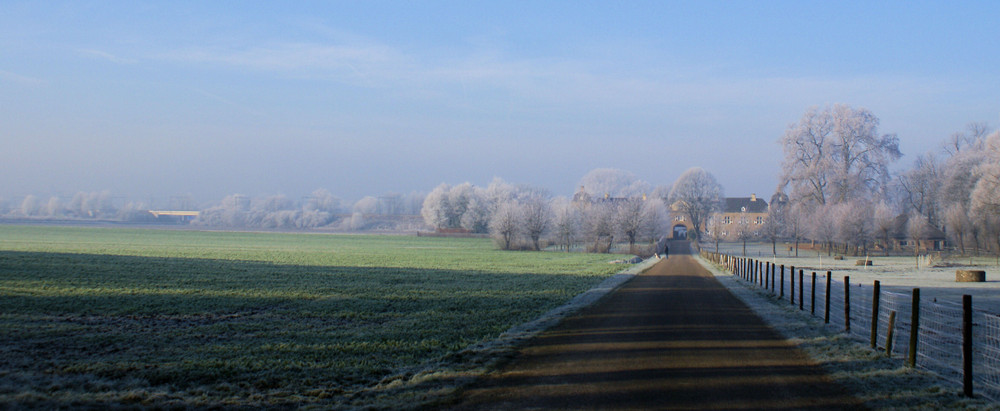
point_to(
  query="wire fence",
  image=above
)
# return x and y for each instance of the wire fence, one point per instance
(939, 345)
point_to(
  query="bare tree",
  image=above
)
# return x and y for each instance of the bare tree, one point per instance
(854, 219)
(631, 219)
(956, 219)
(796, 223)
(884, 222)
(656, 218)
(823, 226)
(744, 231)
(920, 186)
(807, 161)
(917, 228)
(54, 207)
(696, 195)
(567, 222)
(30, 206)
(957, 142)
(985, 197)
(598, 224)
(613, 182)
(366, 205)
(505, 224)
(478, 211)
(775, 226)
(322, 200)
(437, 210)
(715, 230)
(536, 215)
(836, 154)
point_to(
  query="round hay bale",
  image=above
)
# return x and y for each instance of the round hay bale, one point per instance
(863, 262)
(838, 257)
(970, 276)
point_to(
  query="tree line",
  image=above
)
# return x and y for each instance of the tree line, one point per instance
(841, 193)
(612, 206)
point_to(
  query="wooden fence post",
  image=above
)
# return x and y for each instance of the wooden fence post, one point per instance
(847, 303)
(826, 312)
(767, 274)
(812, 301)
(967, 345)
(782, 293)
(875, 300)
(801, 288)
(772, 278)
(791, 281)
(914, 328)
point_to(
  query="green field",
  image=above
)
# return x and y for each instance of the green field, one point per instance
(92, 317)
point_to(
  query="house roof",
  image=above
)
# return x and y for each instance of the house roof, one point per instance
(900, 230)
(750, 204)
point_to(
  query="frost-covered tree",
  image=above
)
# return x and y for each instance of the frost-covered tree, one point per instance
(920, 186)
(715, 230)
(30, 206)
(478, 211)
(599, 224)
(917, 228)
(536, 217)
(437, 209)
(656, 218)
(884, 222)
(836, 154)
(744, 230)
(631, 219)
(854, 224)
(796, 223)
(697, 195)
(566, 223)
(322, 200)
(823, 226)
(366, 205)
(611, 182)
(505, 224)
(775, 226)
(54, 208)
(956, 219)
(985, 198)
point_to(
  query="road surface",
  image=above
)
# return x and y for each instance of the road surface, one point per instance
(671, 338)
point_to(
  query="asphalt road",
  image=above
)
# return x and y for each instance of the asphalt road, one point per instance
(671, 338)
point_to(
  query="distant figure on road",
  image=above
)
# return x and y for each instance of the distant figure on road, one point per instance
(661, 247)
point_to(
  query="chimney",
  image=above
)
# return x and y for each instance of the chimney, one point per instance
(753, 197)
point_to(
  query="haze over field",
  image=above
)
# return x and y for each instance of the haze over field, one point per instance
(361, 98)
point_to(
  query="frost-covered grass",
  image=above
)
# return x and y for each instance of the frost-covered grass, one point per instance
(894, 273)
(882, 382)
(149, 318)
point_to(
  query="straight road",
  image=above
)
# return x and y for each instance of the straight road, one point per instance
(671, 338)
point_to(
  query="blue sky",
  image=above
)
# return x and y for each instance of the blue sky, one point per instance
(155, 99)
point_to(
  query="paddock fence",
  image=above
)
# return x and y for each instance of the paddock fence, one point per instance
(949, 338)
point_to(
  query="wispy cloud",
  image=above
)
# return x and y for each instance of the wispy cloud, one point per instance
(106, 56)
(21, 79)
(293, 57)
(227, 101)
